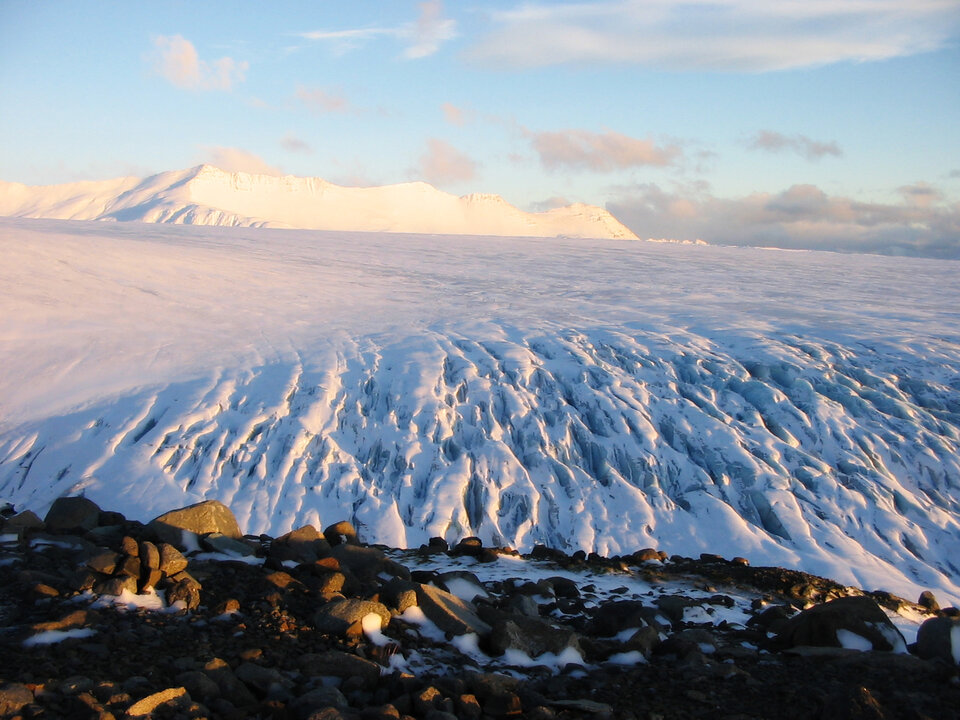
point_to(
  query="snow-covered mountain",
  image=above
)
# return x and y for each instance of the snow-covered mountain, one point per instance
(799, 409)
(206, 195)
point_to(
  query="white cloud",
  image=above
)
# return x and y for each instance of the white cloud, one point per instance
(801, 217)
(176, 59)
(601, 152)
(455, 115)
(726, 35)
(320, 100)
(770, 141)
(233, 159)
(443, 164)
(421, 38)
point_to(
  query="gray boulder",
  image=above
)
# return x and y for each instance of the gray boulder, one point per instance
(210, 516)
(303, 545)
(939, 638)
(531, 636)
(72, 513)
(450, 613)
(334, 663)
(339, 616)
(843, 622)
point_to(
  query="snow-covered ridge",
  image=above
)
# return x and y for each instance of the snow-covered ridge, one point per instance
(802, 414)
(206, 195)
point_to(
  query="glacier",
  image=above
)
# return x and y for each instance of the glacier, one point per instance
(797, 408)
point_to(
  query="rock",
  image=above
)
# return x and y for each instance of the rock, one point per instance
(210, 516)
(339, 616)
(172, 560)
(840, 623)
(929, 601)
(521, 604)
(72, 514)
(259, 677)
(26, 520)
(450, 613)
(742, 561)
(149, 556)
(399, 594)
(341, 533)
(218, 542)
(104, 562)
(531, 636)
(116, 585)
(318, 699)
(610, 618)
(367, 564)
(129, 546)
(230, 686)
(673, 606)
(334, 663)
(303, 545)
(939, 638)
(14, 696)
(185, 590)
(469, 546)
(439, 543)
(150, 703)
(564, 587)
(198, 685)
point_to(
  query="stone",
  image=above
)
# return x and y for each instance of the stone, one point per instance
(303, 545)
(14, 696)
(129, 546)
(929, 601)
(531, 636)
(186, 591)
(150, 703)
(325, 583)
(939, 638)
(230, 685)
(210, 516)
(469, 546)
(104, 562)
(564, 587)
(116, 585)
(826, 625)
(673, 606)
(259, 677)
(334, 663)
(172, 560)
(149, 556)
(72, 513)
(318, 699)
(129, 566)
(367, 563)
(450, 613)
(399, 594)
(218, 542)
(341, 533)
(26, 520)
(339, 616)
(198, 685)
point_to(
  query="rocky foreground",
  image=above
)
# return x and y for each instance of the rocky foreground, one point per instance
(185, 617)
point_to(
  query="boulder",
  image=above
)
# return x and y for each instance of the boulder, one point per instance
(399, 594)
(14, 696)
(318, 699)
(450, 613)
(26, 520)
(170, 696)
(218, 542)
(531, 636)
(929, 601)
(334, 663)
(182, 527)
(939, 638)
(185, 590)
(229, 684)
(72, 513)
(844, 622)
(469, 546)
(339, 616)
(303, 545)
(341, 533)
(172, 560)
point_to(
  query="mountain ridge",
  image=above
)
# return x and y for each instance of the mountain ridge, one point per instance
(207, 195)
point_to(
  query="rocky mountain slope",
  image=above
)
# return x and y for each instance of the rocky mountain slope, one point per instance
(205, 195)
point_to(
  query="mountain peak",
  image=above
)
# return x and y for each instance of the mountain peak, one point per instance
(208, 195)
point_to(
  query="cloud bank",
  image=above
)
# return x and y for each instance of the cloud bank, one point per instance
(770, 141)
(599, 152)
(801, 217)
(725, 35)
(176, 60)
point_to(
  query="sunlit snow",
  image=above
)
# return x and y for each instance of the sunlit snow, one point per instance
(799, 409)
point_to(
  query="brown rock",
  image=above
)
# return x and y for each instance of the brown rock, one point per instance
(334, 663)
(149, 556)
(338, 616)
(14, 696)
(202, 518)
(129, 546)
(450, 613)
(150, 703)
(172, 560)
(187, 591)
(341, 533)
(104, 562)
(72, 513)
(116, 585)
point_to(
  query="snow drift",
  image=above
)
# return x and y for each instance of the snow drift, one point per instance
(206, 195)
(800, 409)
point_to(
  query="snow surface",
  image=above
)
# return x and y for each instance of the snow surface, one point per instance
(205, 195)
(800, 409)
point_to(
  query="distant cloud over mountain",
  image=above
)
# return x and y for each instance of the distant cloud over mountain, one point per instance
(176, 59)
(600, 152)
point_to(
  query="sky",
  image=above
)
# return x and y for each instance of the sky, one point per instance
(793, 123)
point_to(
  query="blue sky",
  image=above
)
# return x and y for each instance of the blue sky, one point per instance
(767, 121)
